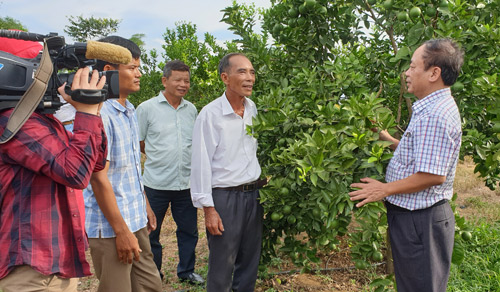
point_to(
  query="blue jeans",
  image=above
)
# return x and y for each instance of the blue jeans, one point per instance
(185, 216)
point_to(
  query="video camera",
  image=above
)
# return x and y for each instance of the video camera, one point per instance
(16, 73)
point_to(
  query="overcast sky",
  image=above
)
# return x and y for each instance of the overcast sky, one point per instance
(148, 17)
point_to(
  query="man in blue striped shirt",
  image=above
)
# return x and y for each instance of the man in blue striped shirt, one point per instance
(421, 173)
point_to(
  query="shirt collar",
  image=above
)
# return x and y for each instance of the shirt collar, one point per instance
(161, 98)
(227, 109)
(119, 107)
(430, 99)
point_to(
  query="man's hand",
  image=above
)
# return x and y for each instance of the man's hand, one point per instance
(151, 217)
(385, 136)
(370, 190)
(213, 221)
(127, 247)
(81, 81)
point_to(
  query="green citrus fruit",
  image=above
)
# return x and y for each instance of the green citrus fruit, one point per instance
(275, 216)
(287, 210)
(335, 224)
(322, 10)
(291, 219)
(496, 127)
(387, 4)
(402, 16)
(277, 28)
(415, 12)
(372, 2)
(310, 3)
(458, 86)
(361, 265)
(301, 227)
(324, 241)
(301, 21)
(443, 4)
(298, 105)
(316, 212)
(430, 11)
(466, 235)
(293, 12)
(284, 191)
(497, 60)
(377, 256)
(303, 9)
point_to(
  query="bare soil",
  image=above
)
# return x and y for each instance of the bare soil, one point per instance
(336, 272)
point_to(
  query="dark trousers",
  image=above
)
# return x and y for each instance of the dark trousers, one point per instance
(234, 256)
(422, 244)
(185, 216)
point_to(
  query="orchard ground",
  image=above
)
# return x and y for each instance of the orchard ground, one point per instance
(336, 272)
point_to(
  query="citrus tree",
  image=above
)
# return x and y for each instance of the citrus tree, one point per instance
(182, 43)
(327, 74)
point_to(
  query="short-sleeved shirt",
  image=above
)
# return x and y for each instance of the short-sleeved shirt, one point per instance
(124, 173)
(430, 144)
(167, 133)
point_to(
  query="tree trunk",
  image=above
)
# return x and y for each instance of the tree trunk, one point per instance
(389, 263)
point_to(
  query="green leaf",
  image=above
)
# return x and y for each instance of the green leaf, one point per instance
(415, 34)
(458, 253)
(314, 179)
(403, 53)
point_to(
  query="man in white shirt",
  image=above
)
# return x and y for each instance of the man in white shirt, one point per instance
(225, 180)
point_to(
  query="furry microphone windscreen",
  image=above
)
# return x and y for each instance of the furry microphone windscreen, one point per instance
(111, 53)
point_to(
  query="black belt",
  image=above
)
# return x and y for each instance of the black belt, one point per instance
(395, 208)
(249, 187)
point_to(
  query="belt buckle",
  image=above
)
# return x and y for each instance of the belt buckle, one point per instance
(249, 187)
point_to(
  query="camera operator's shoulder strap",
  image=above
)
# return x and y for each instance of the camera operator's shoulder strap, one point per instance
(31, 98)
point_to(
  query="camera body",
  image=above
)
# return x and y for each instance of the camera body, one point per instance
(17, 74)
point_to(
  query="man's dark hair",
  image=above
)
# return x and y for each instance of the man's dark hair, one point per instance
(119, 41)
(445, 54)
(224, 63)
(175, 65)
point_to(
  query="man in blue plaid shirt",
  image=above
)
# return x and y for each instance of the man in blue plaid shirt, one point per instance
(118, 215)
(421, 173)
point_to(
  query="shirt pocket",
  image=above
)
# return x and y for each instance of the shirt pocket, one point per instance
(406, 148)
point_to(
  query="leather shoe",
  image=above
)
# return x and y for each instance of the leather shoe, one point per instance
(193, 279)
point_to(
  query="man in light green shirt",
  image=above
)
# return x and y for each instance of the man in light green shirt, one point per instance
(165, 132)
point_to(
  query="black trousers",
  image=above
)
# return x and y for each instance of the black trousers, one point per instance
(234, 256)
(185, 217)
(422, 244)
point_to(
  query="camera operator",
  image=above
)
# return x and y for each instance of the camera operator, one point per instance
(42, 237)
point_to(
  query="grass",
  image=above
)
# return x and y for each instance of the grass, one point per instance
(480, 271)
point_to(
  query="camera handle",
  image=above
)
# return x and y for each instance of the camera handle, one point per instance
(90, 96)
(31, 98)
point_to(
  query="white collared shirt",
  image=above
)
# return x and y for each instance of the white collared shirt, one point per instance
(223, 154)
